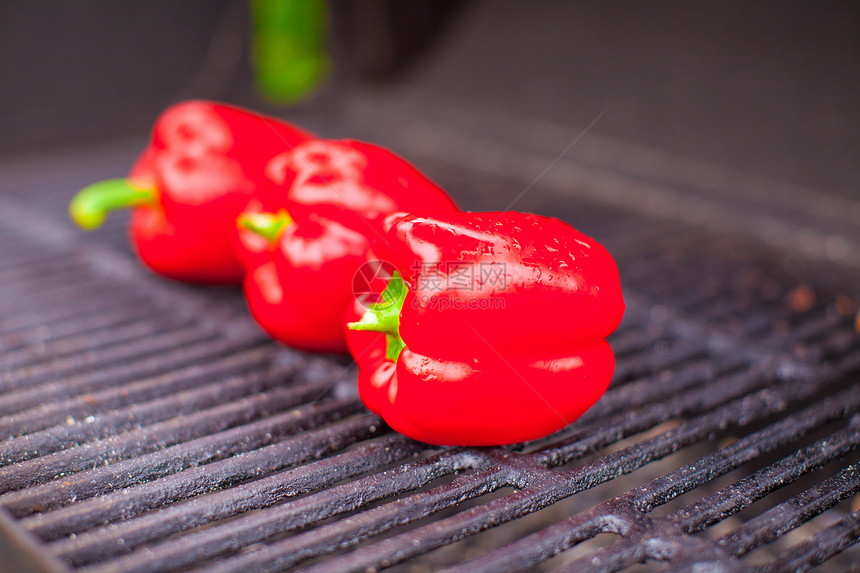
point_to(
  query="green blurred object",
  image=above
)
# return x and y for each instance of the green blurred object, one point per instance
(288, 48)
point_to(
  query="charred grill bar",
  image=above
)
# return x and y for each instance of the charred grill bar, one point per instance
(148, 426)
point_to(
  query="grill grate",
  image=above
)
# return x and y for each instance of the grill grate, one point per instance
(148, 426)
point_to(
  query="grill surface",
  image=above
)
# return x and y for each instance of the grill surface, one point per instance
(149, 426)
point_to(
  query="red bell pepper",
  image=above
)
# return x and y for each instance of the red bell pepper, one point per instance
(298, 284)
(348, 178)
(306, 234)
(492, 331)
(204, 162)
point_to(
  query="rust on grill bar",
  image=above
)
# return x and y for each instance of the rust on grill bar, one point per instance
(149, 426)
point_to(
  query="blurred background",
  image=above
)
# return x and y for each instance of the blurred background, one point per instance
(769, 88)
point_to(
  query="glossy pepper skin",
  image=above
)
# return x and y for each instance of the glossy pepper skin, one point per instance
(493, 332)
(299, 276)
(348, 179)
(306, 234)
(202, 166)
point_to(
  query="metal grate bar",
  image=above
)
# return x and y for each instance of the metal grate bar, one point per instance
(54, 287)
(40, 337)
(348, 532)
(666, 384)
(287, 551)
(50, 290)
(172, 335)
(401, 547)
(678, 354)
(622, 515)
(844, 343)
(663, 538)
(158, 436)
(816, 324)
(133, 395)
(66, 350)
(628, 340)
(154, 363)
(96, 426)
(31, 261)
(22, 263)
(23, 554)
(766, 308)
(126, 536)
(819, 547)
(45, 313)
(203, 479)
(716, 507)
(102, 480)
(255, 528)
(790, 514)
(747, 448)
(697, 401)
(615, 420)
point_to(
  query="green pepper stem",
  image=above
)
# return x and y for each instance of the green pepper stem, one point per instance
(267, 225)
(92, 204)
(384, 317)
